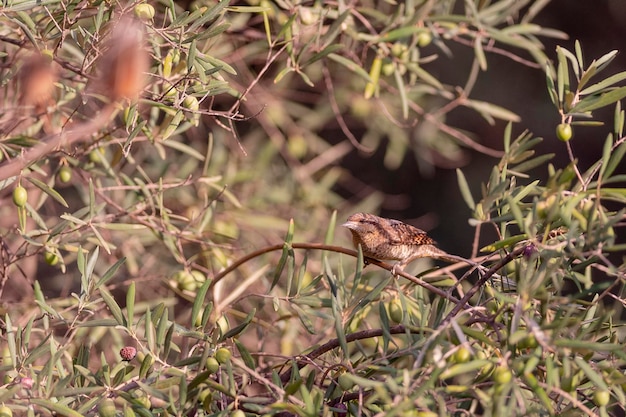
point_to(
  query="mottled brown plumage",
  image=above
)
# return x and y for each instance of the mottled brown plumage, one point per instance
(388, 239)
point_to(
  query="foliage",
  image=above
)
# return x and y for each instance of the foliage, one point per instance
(167, 203)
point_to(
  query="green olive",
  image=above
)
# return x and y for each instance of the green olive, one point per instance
(206, 398)
(502, 375)
(396, 314)
(20, 195)
(462, 355)
(198, 276)
(96, 155)
(424, 39)
(564, 132)
(223, 355)
(345, 381)
(601, 397)
(388, 67)
(5, 411)
(51, 258)
(191, 103)
(185, 281)
(65, 174)
(212, 365)
(106, 408)
(144, 11)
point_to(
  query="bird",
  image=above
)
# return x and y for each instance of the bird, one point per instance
(390, 239)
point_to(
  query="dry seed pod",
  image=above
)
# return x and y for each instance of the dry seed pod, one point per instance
(124, 61)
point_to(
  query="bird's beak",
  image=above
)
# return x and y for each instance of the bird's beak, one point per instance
(350, 225)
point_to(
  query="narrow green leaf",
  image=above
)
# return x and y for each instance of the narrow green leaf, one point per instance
(404, 101)
(579, 52)
(616, 159)
(91, 264)
(330, 230)
(507, 137)
(605, 60)
(465, 190)
(145, 366)
(218, 63)
(335, 28)
(595, 102)
(618, 120)
(587, 74)
(606, 155)
(110, 273)
(532, 163)
(551, 85)
(183, 148)
(239, 328)
(352, 66)
(424, 75)
(245, 354)
(613, 79)
(562, 76)
(56, 407)
(46, 189)
(199, 301)
(479, 53)
(248, 9)
(504, 243)
(115, 309)
(161, 328)
(323, 53)
(208, 15)
(490, 109)
(517, 213)
(593, 376)
(400, 33)
(167, 341)
(130, 303)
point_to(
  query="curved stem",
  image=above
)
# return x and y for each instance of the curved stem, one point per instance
(331, 248)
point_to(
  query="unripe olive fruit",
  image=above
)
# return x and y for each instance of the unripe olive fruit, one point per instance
(198, 276)
(462, 355)
(396, 313)
(528, 342)
(424, 39)
(601, 397)
(388, 67)
(345, 381)
(564, 132)
(65, 174)
(191, 103)
(397, 49)
(185, 281)
(5, 411)
(237, 413)
(20, 195)
(306, 16)
(51, 258)
(96, 155)
(144, 401)
(502, 375)
(223, 355)
(206, 398)
(212, 365)
(144, 11)
(107, 408)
